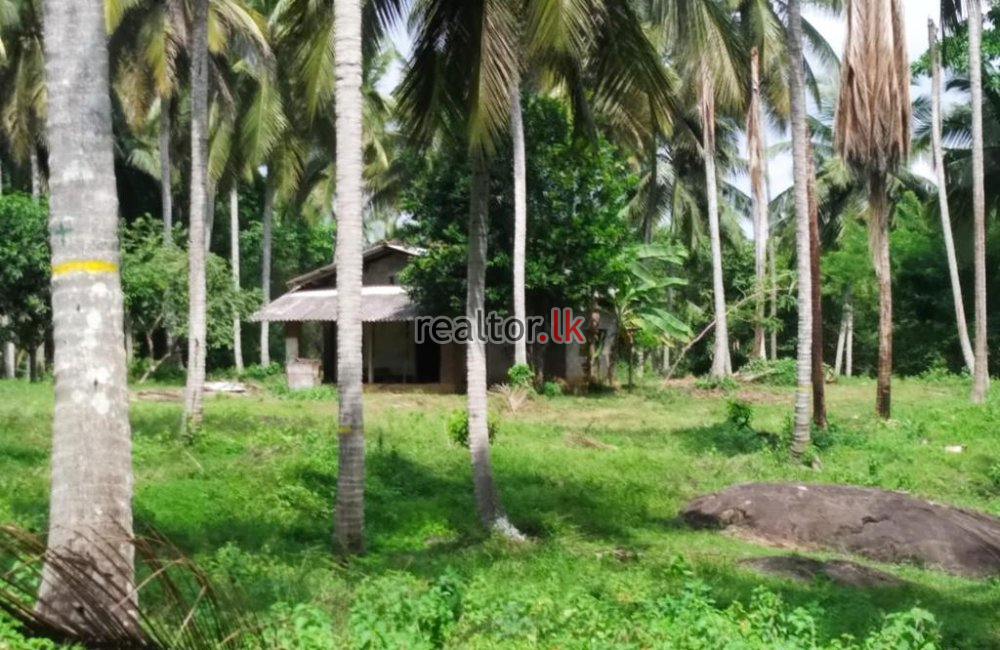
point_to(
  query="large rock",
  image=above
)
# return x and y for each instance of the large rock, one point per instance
(881, 525)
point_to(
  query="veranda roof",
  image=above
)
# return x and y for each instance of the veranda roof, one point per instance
(378, 304)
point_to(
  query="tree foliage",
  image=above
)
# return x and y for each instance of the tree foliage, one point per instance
(24, 270)
(577, 194)
(154, 278)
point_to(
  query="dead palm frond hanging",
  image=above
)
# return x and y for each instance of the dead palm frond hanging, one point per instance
(872, 129)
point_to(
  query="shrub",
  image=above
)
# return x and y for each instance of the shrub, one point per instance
(257, 372)
(458, 428)
(302, 627)
(399, 611)
(551, 389)
(11, 638)
(782, 372)
(993, 475)
(739, 413)
(520, 374)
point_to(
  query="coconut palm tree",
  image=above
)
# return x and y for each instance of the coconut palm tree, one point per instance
(90, 518)
(199, 193)
(801, 168)
(709, 52)
(23, 107)
(480, 67)
(147, 42)
(872, 134)
(949, 242)
(349, 515)
(520, 216)
(763, 34)
(466, 59)
(980, 382)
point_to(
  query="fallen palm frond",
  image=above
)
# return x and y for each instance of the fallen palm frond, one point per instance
(174, 603)
(514, 396)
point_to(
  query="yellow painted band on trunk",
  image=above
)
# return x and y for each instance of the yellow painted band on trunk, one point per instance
(84, 266)
(344, 428)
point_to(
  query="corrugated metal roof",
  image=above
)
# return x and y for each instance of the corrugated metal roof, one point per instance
(378, 304)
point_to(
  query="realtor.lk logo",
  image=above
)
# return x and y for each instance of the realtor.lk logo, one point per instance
(493, 328)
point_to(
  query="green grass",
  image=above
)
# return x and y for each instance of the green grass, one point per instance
(251, 500)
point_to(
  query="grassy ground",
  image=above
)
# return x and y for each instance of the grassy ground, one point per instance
(251, 500)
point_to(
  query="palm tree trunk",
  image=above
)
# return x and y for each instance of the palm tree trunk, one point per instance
(90, 511)
(758, 190)
(9, 357)
(980, 382)
(878, 232)
(652, 204)
(801, 434)
(849, 353)
(267, 219)
(197, 324)
(166, 192)
(234, 256)
(209, 215)
(721, 364)
(487, 499)
(36, 175)
(838, 364)
(949, 241)
(349, 517)
(818, 372)
(520, 217)
(166, 187)
(773, 266)
(38, 366)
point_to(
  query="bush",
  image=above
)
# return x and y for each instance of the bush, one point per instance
(739, 413)
(11, 638)
(520, 374)
(458, 428)
(400, 611)
(782, 372)
(262, 373)
(302, 627)
(551, 389)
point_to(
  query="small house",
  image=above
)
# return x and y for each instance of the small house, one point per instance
(391, 351)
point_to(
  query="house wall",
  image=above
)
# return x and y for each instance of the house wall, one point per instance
(380, 271)
(384, 270)
(393, 352)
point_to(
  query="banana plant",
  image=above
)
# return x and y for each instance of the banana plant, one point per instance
(637, 303)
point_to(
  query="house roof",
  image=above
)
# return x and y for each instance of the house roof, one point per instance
(378, 304)
(370, 254)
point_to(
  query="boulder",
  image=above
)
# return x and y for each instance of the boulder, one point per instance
(878, 524)
(804, 569)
